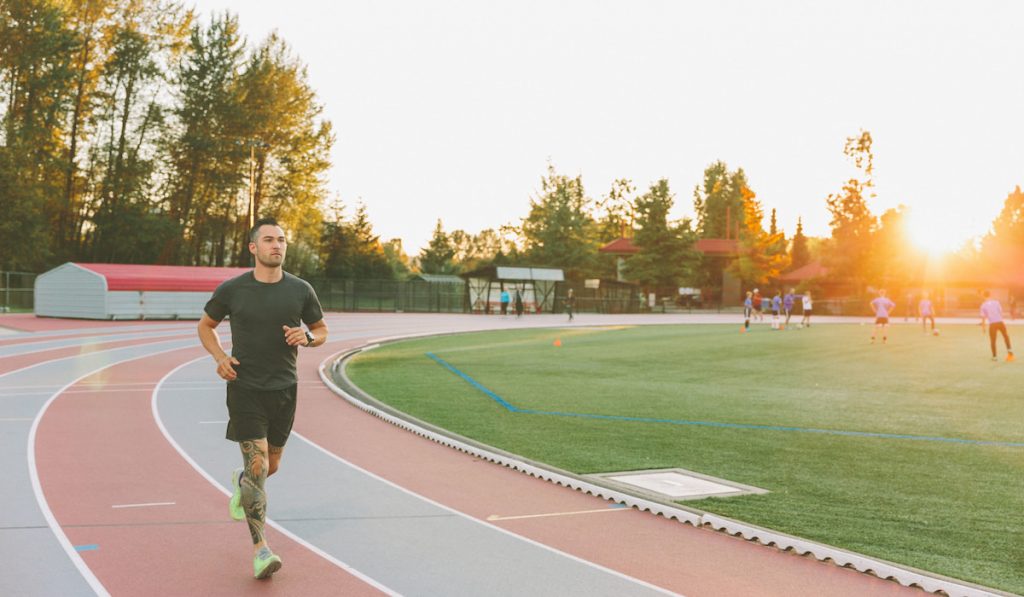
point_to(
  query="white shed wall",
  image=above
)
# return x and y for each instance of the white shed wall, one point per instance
(132, 304)
(70, 291)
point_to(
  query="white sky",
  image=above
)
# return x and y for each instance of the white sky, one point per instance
(452, 110)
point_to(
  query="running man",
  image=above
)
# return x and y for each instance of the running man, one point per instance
(926, 312)
(882, 306)
(992, 313)
(808, 305)
(267, 308)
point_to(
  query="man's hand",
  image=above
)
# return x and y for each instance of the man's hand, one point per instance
(295, 336)
(225, 369)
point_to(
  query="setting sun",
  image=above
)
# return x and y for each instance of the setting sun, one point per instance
(933, 235)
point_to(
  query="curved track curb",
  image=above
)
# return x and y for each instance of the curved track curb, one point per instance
(903, 575)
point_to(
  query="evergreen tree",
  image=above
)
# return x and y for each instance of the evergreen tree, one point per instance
(559, 230)
(438, 257)
(666, 257)
(800, 253)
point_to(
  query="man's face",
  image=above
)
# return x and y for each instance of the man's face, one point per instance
(270, 246)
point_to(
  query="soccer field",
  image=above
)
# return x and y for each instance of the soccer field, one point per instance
(912, 451)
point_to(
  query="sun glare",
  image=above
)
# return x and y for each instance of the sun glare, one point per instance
(936, 238)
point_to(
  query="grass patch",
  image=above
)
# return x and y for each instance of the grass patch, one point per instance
(951, 508)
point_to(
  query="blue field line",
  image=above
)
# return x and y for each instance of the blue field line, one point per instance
(474, 383)
(526, 411)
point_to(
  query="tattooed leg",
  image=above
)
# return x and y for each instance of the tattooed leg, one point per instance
(254, 497)
(275, 458)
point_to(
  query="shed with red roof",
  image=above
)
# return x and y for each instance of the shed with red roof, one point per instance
(124, 291)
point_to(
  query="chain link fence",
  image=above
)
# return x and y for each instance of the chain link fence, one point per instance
(17, 291)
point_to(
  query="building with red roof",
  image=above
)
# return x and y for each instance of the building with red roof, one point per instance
(126, 291)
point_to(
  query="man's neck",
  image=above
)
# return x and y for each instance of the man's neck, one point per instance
(267, 275)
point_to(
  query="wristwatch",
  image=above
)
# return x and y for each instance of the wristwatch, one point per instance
(309, 338)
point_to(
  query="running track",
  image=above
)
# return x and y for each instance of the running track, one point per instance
(117, 473)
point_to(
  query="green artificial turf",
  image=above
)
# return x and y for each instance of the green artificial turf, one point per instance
(951, 508)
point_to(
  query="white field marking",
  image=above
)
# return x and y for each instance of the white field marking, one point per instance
(184, 455)
(494, 517)
(37, 487)
(143, 505)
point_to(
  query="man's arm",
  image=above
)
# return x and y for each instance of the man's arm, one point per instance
(297, 336)
(319, 332)
(211, 342)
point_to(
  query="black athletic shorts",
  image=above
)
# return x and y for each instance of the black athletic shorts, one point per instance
(255, 414)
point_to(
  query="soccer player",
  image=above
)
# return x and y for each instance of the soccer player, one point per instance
(570, 303)
(267, 307)
(808, 305)
(787, 306)
(748, 309)
(992, 313)
(926, 312)
(776, 308)
(882, 306)
(757, 305)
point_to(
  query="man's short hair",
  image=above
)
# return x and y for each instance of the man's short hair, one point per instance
(256, 227)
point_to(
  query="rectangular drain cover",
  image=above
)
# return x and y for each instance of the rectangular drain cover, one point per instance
(679, 484)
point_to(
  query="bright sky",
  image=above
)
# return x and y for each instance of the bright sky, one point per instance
(452, 110)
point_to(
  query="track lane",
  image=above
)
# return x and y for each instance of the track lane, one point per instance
(30, 544)
(186, 544)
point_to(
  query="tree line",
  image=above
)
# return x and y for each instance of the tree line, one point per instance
(131, 132)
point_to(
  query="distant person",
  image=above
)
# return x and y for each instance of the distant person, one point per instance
(776, 309)
(748, 310)
(992, 313)
(519, 304)
(570, 303)
(882, 306)
(504, 302)
(926, 311)
(787, 306)
(267, 307)
(757, 305)
(808, 305)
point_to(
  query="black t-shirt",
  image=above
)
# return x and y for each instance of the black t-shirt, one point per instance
(258, 311)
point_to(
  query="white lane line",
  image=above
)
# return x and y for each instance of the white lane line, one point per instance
(143, 505)
(578, 559)
(37, 487)
(167, 336)
(494, 517)
(334, 387)
(195, 465)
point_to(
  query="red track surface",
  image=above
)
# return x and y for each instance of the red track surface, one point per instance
(98, 448)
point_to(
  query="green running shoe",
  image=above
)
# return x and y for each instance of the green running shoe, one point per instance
(265, 563)
(235, 505)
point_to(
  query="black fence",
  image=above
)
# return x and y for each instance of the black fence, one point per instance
(392, 296)
(17, 291)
